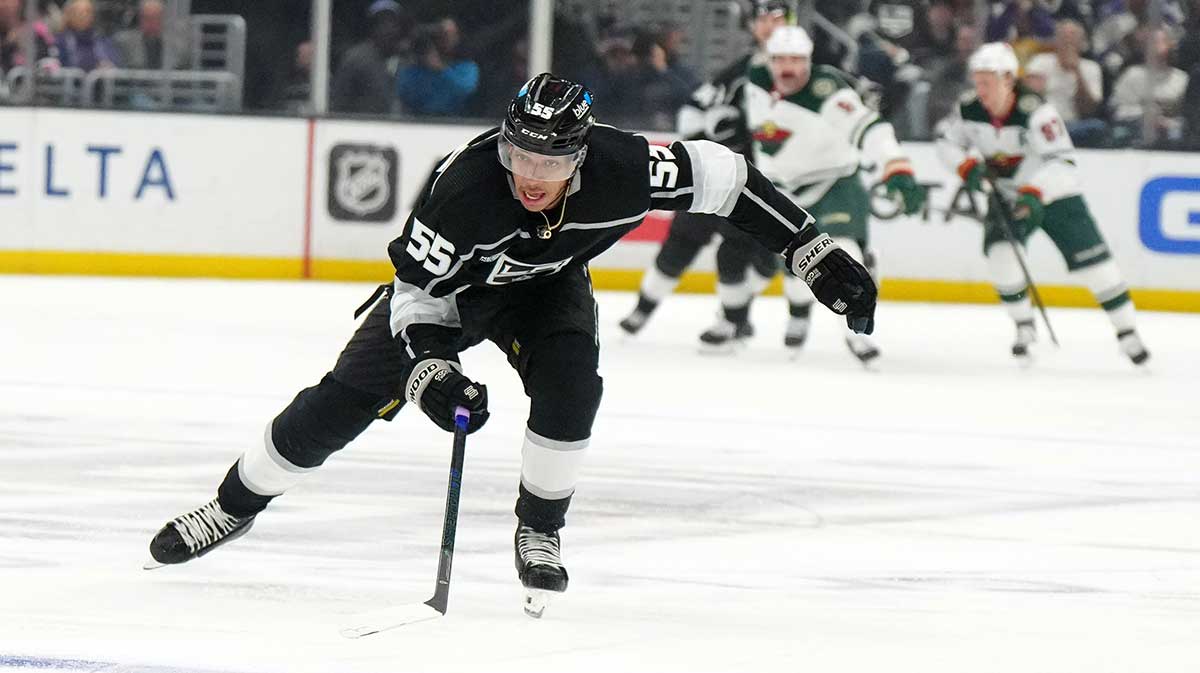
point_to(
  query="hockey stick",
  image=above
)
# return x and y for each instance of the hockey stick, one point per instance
(1005, 227)
(391, 618)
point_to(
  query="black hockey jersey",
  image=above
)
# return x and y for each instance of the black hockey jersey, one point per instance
(714, 111)
(470, 230)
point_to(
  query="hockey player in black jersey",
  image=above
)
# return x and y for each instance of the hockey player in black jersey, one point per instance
(715, 112)
(497, 249)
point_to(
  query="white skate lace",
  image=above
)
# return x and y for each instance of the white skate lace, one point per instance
(538, 548)
(204, 526)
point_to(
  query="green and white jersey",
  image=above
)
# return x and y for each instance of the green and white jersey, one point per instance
(1028, 149)
(808, 140)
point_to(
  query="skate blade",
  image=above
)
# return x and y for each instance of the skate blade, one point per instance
(536, 601)
(869, 360)
(723, 350)
(153, 565)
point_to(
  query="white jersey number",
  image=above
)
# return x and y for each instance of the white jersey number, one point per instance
(427, 246)
(664, 172)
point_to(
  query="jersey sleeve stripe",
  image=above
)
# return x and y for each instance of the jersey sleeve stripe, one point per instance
(410, 305)
(860, 132)
(771, 211)
(603, 225)
(718, 175)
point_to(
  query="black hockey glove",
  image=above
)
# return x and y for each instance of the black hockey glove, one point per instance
(840, 283)
(437, 386)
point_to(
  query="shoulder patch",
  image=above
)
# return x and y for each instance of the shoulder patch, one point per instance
(1028, 103)
(823, 87)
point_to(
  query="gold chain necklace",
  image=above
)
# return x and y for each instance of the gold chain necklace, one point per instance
(547, 230)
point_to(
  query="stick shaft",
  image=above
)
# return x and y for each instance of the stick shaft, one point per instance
(441, 593)
(1006, 228)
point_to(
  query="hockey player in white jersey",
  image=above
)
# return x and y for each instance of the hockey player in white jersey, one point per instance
(811, 132)
(1011, 133)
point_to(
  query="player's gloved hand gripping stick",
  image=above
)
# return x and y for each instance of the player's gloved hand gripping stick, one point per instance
(440, 389)
(435, 607)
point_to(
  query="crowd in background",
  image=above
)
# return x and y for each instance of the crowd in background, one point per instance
(1098, 61)
(73, 36)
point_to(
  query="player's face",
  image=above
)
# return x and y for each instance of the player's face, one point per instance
(993, 90)
(538, 195)
(790, 73)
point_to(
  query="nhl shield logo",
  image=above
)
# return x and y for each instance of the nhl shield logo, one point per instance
(362, 183)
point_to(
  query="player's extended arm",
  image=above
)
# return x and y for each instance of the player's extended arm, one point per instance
(956, 152)
(865, 129)
(704, 177)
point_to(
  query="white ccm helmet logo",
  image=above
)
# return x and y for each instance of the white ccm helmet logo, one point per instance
(531, 134)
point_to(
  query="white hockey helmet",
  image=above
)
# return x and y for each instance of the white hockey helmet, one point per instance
(995, 57)
(789, 41)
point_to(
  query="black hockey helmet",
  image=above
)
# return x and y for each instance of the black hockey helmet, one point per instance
(772, 7)
(549, 121)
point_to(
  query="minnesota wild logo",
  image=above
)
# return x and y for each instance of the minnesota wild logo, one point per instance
(770, 138)
(1004, 165)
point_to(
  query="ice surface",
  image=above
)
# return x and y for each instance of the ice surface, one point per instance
(948, 513)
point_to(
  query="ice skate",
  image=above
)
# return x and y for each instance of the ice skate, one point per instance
(538, 558)
(195, 534)
(1026, 336)
(634, 322)
(796, 333)
(1132, 346)
(864, 349)
(724, 336)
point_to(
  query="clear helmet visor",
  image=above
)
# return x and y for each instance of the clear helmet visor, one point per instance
(535, 166)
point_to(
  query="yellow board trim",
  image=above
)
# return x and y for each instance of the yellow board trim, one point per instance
(132, 264)
(221, 266)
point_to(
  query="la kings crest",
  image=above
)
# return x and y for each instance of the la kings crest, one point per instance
(507, 270)
(362, 183)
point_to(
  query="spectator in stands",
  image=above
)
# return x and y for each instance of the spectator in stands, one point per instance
(1191, 112)
(952, 77)
(671, 38)
(1073, 84)
(365, 82)
(150, 46)
(1187, 55)
(1115, 42)
(13, 29)
(659, 91)
(618, 79)
(440, 82)
(938, 45)
(1028, 26)
(502, 81)
(297, 88)
(80, 44)
(1166, 85)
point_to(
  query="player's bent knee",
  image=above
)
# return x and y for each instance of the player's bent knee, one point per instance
(321, 420)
